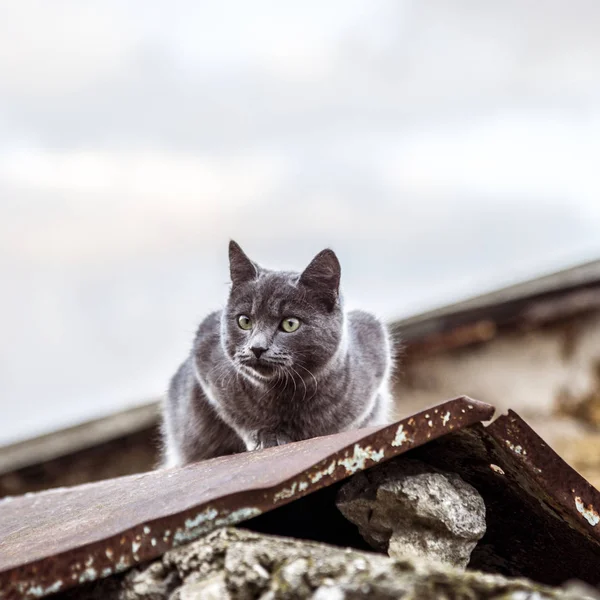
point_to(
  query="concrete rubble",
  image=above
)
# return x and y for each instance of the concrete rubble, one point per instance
(409, 509)
(230, 564)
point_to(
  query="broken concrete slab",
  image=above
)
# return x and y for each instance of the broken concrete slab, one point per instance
(409, 509)
(234, 564)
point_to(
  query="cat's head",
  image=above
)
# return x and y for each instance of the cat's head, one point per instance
(279, 322)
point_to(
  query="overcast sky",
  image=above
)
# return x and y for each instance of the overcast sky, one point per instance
(442, 149)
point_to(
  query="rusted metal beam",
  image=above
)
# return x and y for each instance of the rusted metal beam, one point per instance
(54, 540)
(524, 306)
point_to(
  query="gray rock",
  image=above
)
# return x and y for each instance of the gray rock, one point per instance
(211, 588)
(581, 590)
(410, 509)
(232, 564)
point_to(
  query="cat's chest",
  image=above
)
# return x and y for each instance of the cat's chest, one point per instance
(283, 400)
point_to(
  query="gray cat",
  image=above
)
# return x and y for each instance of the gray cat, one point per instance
(281, 362)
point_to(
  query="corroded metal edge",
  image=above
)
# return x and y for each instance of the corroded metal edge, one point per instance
(575, 498)
(151, 539)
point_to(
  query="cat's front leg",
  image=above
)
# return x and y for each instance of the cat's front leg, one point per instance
(250, 439)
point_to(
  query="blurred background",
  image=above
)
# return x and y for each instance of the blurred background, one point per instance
(442, 149)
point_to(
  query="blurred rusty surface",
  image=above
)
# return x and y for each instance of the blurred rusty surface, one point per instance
(527, 305)
(542, 517)
(130, 453)
(96, 433)
(57, 539)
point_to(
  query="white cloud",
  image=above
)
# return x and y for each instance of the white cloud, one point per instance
(97, 204)
(510, 158)
(439, 147)
(196, 182)
(59, 47)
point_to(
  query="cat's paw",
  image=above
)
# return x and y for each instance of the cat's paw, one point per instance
(283, 439)
(270, 440)
(265, 439)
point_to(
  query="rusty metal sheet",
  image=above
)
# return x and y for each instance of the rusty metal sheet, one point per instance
(54, 540)
(543, 518)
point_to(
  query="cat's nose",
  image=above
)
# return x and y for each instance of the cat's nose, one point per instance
(257, 350)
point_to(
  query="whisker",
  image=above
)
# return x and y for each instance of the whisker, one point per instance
(272, 388)
(293, 381)
(303, 383)
(314, 379)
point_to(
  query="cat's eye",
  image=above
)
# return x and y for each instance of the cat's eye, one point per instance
(244, 322)
(290, 324)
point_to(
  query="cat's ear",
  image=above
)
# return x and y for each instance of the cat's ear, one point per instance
(241, 268)
(323, 276)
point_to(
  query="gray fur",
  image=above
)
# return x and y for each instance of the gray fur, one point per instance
(331, 374)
